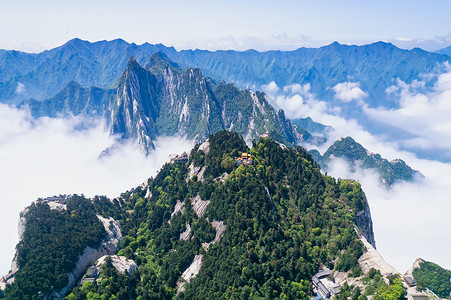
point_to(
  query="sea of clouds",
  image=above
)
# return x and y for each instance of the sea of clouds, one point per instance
(46, 157)
(411, 219)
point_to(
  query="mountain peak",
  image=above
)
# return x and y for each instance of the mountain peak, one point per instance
(160, 62)
(73, 84)
(132, 63)
(74, 42)
(383, 44)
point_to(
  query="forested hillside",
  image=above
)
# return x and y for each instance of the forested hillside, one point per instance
(206, 228)
(50, 246)
(432, 276)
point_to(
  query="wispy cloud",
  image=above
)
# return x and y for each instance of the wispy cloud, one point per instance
(20, 88)
(349, 91)
(429, 44)
(46, 157)
(274, 41)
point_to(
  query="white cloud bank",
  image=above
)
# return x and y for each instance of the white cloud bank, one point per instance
(47, 157)
(426, 116)
(412, 219)
(349, 91)
(296, 100)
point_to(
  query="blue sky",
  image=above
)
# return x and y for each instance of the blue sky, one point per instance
(262, 25)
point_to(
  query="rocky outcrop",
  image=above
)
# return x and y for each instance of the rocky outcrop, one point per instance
(198, 171)
(178, 208)
(190, 272)
(220, 228)
(199, 205)
(121, 263)
(415, 265)
(205, 147)
(109, 245)
(365, 224)
(222, 178)
(372, 259)
(184, 236)
(173, 158)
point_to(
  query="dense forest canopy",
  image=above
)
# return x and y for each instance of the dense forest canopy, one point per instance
(51, 244)
(283, 219)
(432, 276)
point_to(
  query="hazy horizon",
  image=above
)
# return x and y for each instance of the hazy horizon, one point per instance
(30, 26)
(238, 49)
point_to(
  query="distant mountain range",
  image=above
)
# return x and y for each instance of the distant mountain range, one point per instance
(43, 75)
(163, 99)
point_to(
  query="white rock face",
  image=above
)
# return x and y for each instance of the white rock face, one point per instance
(256, 103)
(205, 147)
(179, 207)
(198, 171)
(220, 228)
(199, 205)
(22, 223)
(372, 259)
(222, 178)
(365, 224)
(282, 146)
(172, 158)
(121, 263)
(148, 194)
(184, 236)
(190, 273)
(110, 245)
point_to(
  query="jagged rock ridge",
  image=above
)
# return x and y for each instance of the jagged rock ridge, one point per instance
(164, 100)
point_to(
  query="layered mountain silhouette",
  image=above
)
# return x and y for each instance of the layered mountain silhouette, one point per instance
(374, 66)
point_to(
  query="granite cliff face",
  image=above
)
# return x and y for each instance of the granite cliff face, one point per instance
(166, 100)
(364, 222)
